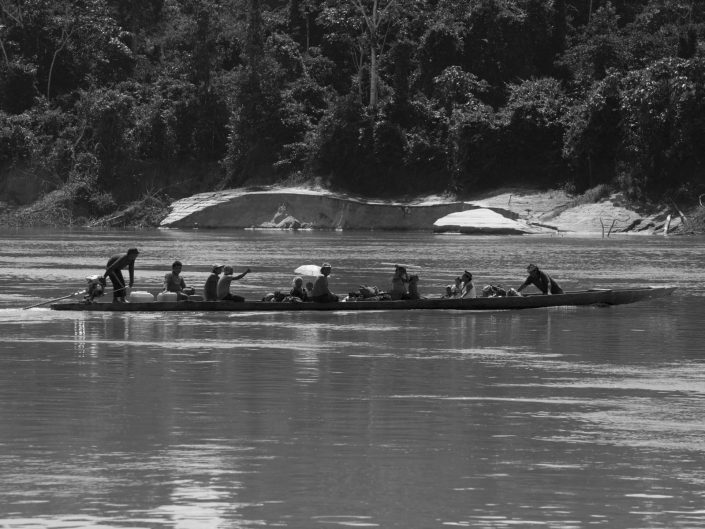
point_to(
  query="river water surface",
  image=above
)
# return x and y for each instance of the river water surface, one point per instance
(559, 418)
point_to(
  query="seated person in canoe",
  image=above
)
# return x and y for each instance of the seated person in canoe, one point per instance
(210, 288)
(540, 280)
(457, 287)
(298, 291)
(467, 288)
(400, 280)
(224, 285)
(321, 291)
(173, 282)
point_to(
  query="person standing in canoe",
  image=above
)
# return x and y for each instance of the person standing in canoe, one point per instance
(321, 291)
(210, 289)
(223, 288)
(113, 270)
(540, 280)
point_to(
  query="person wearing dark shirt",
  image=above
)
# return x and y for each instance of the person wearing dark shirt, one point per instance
(298, 290)
(400, 280)
(210, 289)
(540, 280)
(321, 291)
(113, 270)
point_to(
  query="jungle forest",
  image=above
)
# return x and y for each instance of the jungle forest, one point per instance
(105, 101)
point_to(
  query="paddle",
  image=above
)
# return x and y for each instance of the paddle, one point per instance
(64, 297)
(57, 299)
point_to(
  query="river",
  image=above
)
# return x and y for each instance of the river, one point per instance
(558, 418)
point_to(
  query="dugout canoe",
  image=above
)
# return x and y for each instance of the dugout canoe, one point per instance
(534, 301)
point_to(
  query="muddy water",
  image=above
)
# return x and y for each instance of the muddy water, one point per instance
(566, 417)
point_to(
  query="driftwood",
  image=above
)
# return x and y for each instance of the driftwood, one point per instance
(611, 228)
(609, 232)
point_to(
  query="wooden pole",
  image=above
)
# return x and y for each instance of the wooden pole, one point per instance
(52, 300)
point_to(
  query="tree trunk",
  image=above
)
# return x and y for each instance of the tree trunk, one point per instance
(66, 35)
(373, 77)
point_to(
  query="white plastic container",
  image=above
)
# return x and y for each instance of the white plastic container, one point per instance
(167, 296)
(140, 296)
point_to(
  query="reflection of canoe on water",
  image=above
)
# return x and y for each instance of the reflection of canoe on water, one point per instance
(584, 297)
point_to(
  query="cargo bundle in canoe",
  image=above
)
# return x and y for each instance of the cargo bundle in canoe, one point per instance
(583, 297)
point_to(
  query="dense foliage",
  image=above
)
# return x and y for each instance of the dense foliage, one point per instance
(107, 100)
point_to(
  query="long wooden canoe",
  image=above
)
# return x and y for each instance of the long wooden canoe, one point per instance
(583, 297)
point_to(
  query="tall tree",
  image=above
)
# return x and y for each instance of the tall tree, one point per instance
(367, 24)
(69, 42)
(376, 16)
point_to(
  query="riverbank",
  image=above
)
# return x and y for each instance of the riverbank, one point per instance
(503, 211)
(507, 211)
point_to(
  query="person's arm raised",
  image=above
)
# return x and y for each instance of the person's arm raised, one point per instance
(243, 274)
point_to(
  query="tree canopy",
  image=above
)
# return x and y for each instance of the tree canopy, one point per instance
(111, 99)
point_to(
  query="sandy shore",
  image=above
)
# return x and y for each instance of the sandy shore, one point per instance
(506, 211)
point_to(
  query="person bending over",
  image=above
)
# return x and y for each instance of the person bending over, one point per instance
(113, 270)
(540, 280)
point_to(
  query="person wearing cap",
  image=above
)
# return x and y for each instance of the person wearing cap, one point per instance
(210, 288)
(540, 280)
(321, 291)
(223, 288)
(400, 279)
(113, 270)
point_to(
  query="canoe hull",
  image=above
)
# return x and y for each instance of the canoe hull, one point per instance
(585, 297)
